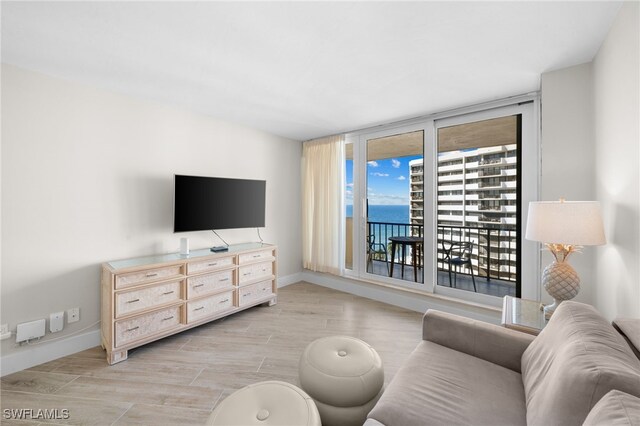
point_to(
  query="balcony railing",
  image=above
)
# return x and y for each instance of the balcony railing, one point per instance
(491, 183)
(384, 230)
(488, 260)
(493, 256)
(490, 219)
(490, 207)
(491, 161)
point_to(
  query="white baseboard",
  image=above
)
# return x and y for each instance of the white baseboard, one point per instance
(39, 353)
(289, 279)
(31, 355)
(413, 301)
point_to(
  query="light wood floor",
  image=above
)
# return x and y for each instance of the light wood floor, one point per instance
(180, 379)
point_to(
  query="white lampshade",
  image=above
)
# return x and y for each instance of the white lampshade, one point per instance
(565, 222)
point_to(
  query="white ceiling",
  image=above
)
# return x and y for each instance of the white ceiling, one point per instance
(306, 69)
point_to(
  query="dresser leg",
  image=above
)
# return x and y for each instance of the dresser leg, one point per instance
(117, 356)
(273, 301)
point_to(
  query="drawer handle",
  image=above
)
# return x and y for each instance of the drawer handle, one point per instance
(151, 275)
(199, 285)
(133, 329)
(166, 293)
(199, 309)
(246, 294)
(224, 279)
(213, 264)
(167, 318)
(246, 273)
(133, 301)
(256, 255)
(223, 301)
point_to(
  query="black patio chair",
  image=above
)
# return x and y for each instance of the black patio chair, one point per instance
(376, 249)
(458, 254)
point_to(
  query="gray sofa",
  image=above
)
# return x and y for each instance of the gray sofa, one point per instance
(466, 372)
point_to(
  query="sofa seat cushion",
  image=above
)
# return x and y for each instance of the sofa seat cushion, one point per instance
(438, 385)
(577, 358)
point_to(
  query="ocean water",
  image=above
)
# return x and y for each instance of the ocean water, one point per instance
(385, 213)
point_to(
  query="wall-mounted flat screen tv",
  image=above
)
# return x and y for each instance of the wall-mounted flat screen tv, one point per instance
(208, 203)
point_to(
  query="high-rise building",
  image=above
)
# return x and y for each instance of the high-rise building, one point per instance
(477, 202)
(416, 191)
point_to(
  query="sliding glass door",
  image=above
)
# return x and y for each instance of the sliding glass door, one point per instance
(478, 206)
(394, 233)
(384, 195)
(438, 204)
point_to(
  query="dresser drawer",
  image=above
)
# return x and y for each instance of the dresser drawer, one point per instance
(209, 283)
(208, 306)
(255, 256)
(136, 300)
(254, 292)
(209, 265)
(130, 330)
(149, 275)
(255, 272)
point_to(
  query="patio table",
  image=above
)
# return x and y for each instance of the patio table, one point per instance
(416, 245)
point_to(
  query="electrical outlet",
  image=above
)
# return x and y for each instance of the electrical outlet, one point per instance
(4, 332)
(56, 322)
(73, 315)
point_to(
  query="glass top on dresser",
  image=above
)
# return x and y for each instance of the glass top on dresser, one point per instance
(193, 254)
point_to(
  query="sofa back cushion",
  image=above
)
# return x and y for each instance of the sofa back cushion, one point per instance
(615, 409)
(577, 358)
(629, 328)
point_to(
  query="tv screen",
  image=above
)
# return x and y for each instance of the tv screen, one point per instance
(207, 203)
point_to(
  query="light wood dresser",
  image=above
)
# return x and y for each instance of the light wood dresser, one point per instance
(147, 298)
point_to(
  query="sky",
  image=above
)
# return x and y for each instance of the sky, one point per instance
(387, 181)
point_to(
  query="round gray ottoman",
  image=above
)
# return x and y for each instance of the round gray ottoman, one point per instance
(345, 378)
(266, 403)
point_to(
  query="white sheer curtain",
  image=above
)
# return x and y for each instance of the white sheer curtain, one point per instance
(322, 176)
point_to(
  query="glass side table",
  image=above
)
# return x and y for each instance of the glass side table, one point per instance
(523, 315)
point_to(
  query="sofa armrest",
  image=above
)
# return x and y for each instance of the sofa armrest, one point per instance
(490, 342)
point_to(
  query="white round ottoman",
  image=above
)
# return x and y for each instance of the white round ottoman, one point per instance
(266, 403)
(344, 376)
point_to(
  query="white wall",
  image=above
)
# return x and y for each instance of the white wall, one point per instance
(568, 161)
(616, 78)
(87, 177)
(591, 151)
